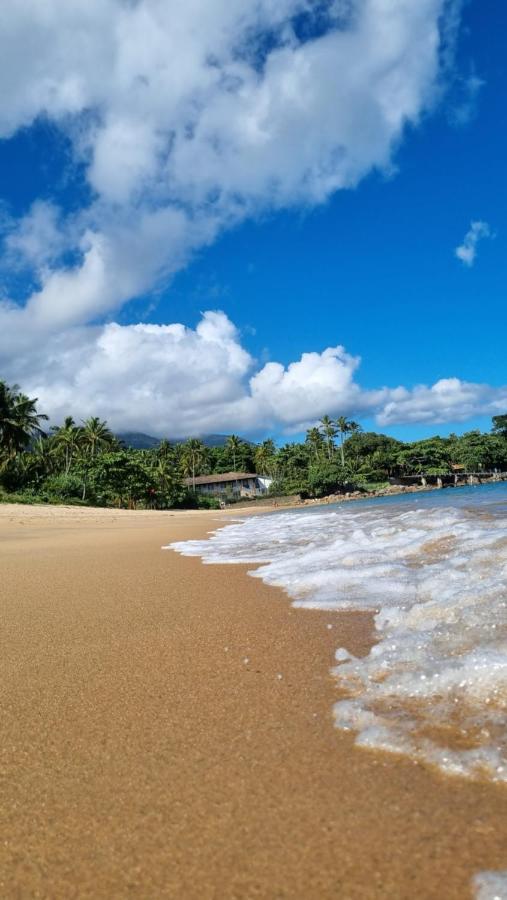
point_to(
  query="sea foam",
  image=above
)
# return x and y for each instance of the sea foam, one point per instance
(433, 574)
(491, 886)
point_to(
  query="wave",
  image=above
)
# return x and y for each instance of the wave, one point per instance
(434, 685)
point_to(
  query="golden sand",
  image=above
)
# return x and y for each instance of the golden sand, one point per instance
(167, 733)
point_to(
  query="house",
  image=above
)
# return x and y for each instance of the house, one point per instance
(237, 484)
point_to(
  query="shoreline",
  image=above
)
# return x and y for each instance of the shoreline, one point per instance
(355, 496)
(261, 505)
(151, 748)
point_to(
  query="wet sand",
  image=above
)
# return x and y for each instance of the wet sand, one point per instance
(167, 733)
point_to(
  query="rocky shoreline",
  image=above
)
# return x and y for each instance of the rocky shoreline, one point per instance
(393, 489)
(295, 501)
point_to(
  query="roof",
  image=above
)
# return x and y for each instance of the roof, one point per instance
(219, 479)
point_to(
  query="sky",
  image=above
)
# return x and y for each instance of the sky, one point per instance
(241, 217)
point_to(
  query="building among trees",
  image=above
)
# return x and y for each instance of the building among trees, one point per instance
(239, 484)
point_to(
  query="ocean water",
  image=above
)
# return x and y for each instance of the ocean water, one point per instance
(491, 886)
(432, 569)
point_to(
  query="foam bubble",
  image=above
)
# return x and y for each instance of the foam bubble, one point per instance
(434, 685)
(491, 886)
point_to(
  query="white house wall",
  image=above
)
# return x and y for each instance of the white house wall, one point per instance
(258, 485)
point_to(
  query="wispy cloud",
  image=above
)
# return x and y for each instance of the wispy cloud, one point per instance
(464, 107)
(467, 251)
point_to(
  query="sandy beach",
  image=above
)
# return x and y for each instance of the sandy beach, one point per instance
(167, 732)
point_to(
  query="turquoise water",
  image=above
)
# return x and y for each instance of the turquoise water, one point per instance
(493, 494)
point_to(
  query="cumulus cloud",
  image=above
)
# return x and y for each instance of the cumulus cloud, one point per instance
(448, 400)
(176, 381)
(189, 117)
(467, 251)
(186, 119)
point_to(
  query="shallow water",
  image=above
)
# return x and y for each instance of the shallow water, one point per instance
(491, 886)
(432, 568)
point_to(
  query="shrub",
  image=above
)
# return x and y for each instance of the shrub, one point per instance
(327, 478)
(62, 487)
(208, 502)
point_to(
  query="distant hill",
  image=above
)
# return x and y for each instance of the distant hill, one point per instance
(139, 441)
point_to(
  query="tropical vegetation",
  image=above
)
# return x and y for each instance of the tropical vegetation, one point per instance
(84, 463)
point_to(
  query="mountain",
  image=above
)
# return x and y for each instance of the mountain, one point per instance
(139, 441)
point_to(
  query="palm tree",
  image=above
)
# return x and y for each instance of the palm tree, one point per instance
(346, 426)
(192, 457)
(95, 435)
(165, 450)
(328, 429)
(233, 444)
(68, 439)
(167, 477)
(43, 454)
(19, 420)
(164, 473)
(315, 442)
(265, 457)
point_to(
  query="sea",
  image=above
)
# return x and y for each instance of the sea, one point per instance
(431, 568)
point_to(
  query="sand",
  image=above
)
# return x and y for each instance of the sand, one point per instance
(167, 732)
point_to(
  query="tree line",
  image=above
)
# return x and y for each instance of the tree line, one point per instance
(85, 463)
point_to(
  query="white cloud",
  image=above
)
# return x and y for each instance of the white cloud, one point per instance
(448, 400)
(467, 251)
(175, 381)
(188, 118)
(37, 240)
(465, 107)
(305, 389)
(186, 123)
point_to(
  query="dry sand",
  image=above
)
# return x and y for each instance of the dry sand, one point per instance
(150, 749)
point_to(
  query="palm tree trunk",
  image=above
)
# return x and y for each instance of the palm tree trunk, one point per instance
(341, 448)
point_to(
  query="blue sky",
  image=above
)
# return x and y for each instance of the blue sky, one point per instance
(371, 267)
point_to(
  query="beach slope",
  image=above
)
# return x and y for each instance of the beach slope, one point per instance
(167, 732)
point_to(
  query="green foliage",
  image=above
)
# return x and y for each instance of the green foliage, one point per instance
(62, 487)
(328, 477)
(193, 459)
(120, 477)
(329, 430)
(374, 453)
(87, 464)
(264, 462)
(19, 421)
(27, 496)
(236, 456)
(372, 486)
(481, 452)
(204, 502)
(500, 425)
(433, 454)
